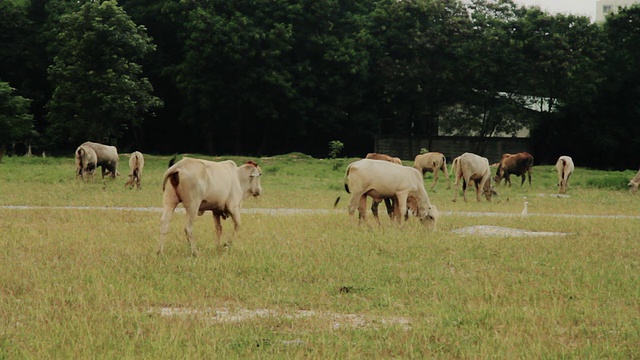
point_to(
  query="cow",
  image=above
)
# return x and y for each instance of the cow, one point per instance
(202, 185)
(565, 168)
(107, 158)
(136, 164)
(432, 162)
(85, 161)
(518, 164)
(385, 157)
(633, 183)
(381, 180)
(469, 167)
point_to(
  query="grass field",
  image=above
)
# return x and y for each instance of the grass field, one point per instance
(86, 282)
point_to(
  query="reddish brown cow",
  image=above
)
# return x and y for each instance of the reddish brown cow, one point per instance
(517, 164)
(385, 157)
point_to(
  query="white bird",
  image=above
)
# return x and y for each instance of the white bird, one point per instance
(524, 211)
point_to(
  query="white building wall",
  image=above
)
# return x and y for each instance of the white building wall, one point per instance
(606, 7)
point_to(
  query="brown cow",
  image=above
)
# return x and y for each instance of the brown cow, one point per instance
(202, 185)
(565, 168)
(385, 157)
(380, 180)
(107, 157)
(518, 164)
(136, 164)
(470, 167)
(85, 161)
(432, 162)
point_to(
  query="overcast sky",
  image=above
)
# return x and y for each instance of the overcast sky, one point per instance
(576, 7)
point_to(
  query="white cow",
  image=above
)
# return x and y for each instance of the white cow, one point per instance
(565, 168)
(202, 185)
(85, 161)
(136, 164)
(107, 157)
(382, 180)
(432, 162)
(469, 167)
(633, 183)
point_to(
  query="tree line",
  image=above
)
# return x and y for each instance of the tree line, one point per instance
(266, 77)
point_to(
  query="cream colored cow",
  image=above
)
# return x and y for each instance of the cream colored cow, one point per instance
(202, 185)
(565, 168)
(85, 161)
(382, 180)
(432, 162)
(469, 167)
(136, 165)
(107, 157)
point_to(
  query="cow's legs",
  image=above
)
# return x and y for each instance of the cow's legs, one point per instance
(165, 220)
(218, 224)
(355, 202)
(374, 210)
(401, 202)
(188, 230)
(362, 207)
(446, 175)
(435, 178)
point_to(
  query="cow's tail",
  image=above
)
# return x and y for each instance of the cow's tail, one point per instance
(455, 166)
(79, 156)
(564, 168)
(346, 181)
(444, 167)
(173, 160)
(173, 177)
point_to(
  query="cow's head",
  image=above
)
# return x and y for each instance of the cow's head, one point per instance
(251, 179)
(633, 186)
(429, 216)
(499, 174)
(489, 192)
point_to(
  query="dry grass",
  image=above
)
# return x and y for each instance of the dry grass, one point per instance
(83, 283)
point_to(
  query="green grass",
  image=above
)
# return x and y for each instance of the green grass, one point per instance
(88, 284)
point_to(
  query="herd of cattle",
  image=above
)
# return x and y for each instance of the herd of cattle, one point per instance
(220, 187)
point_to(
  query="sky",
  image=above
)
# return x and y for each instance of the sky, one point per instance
(575, 7)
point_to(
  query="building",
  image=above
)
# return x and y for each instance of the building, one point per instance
(606, 7)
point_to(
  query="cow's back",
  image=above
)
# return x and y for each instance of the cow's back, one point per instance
(473, 166)
(215, 183)
(384, 176)
(106, 154)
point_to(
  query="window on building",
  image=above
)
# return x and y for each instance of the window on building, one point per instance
(607, 9)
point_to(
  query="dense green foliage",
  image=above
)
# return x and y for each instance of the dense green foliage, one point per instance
(265, 77)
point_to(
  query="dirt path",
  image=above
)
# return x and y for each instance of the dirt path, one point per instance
(284, 212)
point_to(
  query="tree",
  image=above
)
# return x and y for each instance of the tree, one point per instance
(99, 93)
(16, 123)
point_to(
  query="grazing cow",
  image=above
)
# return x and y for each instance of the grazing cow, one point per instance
(107, 158)
(85, 161)
(136, 164)
(565, 168)
(202, 185)
(633, 183)
(432, 162)
(469, 167)
(385, 157)
(517, 164)
(382, 179)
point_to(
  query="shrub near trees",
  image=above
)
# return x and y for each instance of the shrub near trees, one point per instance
(268, 77)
